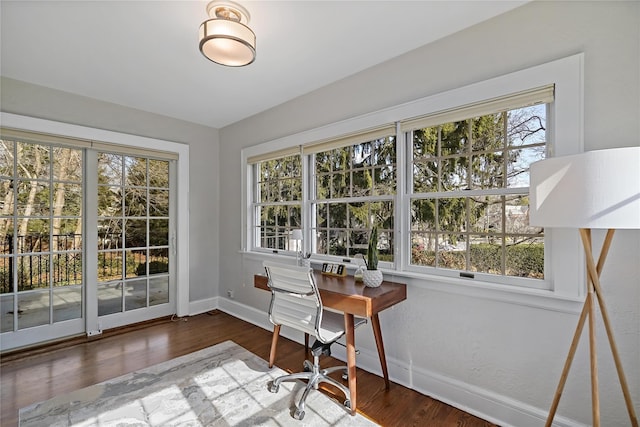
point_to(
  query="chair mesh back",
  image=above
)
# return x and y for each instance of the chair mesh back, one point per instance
(295, 301)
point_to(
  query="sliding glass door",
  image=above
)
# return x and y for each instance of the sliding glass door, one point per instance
(86, 238)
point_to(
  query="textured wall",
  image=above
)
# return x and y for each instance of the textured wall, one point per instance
(502, 348)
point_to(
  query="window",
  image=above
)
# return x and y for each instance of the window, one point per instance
(445, 179)
(354, 188)
(469, 188)
(277, 201)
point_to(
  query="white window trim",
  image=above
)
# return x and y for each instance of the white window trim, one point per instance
(181, 244)
(566, 137)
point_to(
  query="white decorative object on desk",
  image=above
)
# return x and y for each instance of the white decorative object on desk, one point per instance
(372, 278)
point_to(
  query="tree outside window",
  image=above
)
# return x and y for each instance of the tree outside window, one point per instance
(469, 194)
(355, 190)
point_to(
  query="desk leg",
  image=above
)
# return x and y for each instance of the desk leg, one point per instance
(377, 333)
(274, 345)
(351, 358)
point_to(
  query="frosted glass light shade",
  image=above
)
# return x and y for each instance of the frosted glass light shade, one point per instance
(596, 189)
(225, 38)
(227, 42)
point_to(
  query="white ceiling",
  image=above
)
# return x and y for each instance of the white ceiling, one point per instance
(144, 54)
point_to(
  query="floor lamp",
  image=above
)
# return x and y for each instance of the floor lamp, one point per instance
(593, 190)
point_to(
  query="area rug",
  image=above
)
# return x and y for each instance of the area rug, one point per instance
(223, 385)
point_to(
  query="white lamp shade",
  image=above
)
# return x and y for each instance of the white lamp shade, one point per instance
(296, 234)
(596, 189)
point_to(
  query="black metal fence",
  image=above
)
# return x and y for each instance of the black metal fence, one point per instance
(61, 262)
(38, 265)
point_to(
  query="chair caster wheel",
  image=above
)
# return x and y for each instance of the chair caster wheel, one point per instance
(307, 366)
(298, 414)
(347, 404)
(273, 388)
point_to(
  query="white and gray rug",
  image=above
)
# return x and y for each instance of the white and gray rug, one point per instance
(223, 385)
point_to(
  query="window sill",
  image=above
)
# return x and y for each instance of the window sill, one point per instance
(528, 297)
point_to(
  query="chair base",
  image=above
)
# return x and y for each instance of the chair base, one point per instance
(314, 376)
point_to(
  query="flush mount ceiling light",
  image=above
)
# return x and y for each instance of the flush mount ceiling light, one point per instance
(225, 38)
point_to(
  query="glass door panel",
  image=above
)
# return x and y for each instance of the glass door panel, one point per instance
(41, 196)
(133, 233)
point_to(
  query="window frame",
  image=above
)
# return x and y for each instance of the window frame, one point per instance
(502, 192)
(314, 200)
(564, 269)
(254, 164)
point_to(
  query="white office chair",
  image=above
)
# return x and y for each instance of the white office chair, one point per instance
(296, 302)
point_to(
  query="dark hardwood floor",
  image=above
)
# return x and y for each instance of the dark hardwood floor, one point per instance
(33, 376)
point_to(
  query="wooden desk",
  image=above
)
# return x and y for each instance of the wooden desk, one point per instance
(355, 299)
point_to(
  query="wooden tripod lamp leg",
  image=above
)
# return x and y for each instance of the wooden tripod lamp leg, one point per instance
(567, 364)
(593, 359)
(594, 273)
(591, 298)
(588, 310)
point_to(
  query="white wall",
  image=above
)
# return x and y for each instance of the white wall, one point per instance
(37, 101)
(499, 360)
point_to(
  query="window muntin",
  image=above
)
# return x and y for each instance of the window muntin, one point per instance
(354, 189)
(469, 194)
(277, 202)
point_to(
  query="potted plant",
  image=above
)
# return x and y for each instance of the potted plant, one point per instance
(372, 277)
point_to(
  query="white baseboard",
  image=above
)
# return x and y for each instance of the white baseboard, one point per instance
(490, 406)
(203, 305)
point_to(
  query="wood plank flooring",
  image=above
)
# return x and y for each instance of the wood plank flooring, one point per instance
(33, 376)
